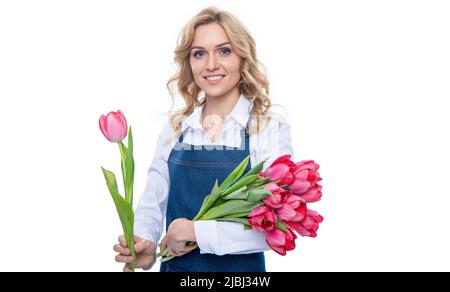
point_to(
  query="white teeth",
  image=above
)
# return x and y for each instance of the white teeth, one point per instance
(215, 77)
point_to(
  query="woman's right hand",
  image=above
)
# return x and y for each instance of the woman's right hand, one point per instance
(145, 253)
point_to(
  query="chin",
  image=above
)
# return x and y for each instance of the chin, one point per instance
(216, 92)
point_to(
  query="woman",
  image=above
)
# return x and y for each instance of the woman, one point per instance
(228, 115)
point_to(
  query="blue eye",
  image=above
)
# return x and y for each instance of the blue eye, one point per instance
(198, 54)
(225, 51)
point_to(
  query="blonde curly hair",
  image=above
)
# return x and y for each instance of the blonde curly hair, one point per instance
(253, 83)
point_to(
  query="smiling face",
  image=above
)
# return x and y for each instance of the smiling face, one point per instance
(214, 65)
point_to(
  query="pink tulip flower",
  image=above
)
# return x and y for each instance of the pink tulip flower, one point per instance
(282, 169)
(281, 241)
(314, 194)
(113, 126)
(287, 213)
(274, 201)
(309, 226)
(305, 176)
(262, 219)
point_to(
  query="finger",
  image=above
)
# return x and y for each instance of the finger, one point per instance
(122, 250)
(141, 246)
(127, 268)
(123, 259)
(185, 249)
(122, 241)
(181, 252)
(191, 247)
(173, 252)
(163, 244)
(145, 262)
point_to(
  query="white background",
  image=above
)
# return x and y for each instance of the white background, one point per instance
(366, 84)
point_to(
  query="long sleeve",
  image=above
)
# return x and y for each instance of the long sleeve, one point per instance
(276, 140)
(151, 210)
(222, 238)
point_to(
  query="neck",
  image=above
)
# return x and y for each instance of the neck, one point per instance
(221, 105)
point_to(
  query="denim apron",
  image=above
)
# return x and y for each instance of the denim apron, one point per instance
(193, 171)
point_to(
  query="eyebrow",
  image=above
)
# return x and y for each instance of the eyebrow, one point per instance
(219, 45)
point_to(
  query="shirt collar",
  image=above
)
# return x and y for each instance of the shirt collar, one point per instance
(240, 113)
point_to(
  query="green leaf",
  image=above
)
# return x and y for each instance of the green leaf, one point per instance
(123, 157)
(261, 187)
(129, 163)
(229, 208)
(239, 215)
(257, 195)
(231, 219)
(248, 227)
(244, 181)
(281, 226)
(127, 166)
(235, 174)
(218, 202)
(209, 201)
(205, 207)
(239, 194)
(111, 182)
(124, 209)
(262, 183)
(130, 179)
(130, 141)
(256, 170)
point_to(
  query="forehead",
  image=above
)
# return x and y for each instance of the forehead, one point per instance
(209, 35)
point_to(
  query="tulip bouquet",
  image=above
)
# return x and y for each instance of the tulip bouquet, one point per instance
(114, 128)
(274, 201)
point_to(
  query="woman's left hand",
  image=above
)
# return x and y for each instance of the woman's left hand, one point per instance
(179, 233)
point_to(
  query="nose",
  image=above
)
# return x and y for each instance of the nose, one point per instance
(212, 63)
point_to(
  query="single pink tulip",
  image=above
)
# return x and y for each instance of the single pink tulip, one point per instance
(274, 201)
(282, 169)
(314, 194)
(281, 241)
(287, 213)
(262, 219)
(312, 220)
(277, 172)
(286, 159)
(299, 186)
(113, 126)
(309, 226)
(290, 240)
(307, 164)
(292, 200)
(306, 176)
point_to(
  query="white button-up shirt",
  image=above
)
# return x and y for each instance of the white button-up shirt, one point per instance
(212, 236)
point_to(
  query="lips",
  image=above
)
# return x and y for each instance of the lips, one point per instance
(214, 77)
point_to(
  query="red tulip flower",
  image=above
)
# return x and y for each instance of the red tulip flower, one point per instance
(314, 194)
(289, 213)
(262, 218)
(281, 170)
(309, 226)
(305, 176)
(275, 200)
(281, 241)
